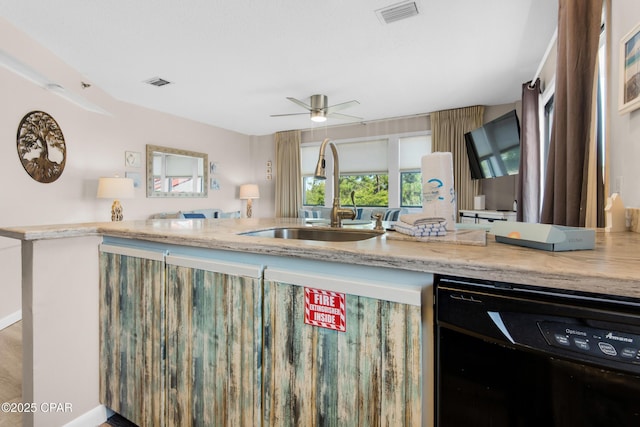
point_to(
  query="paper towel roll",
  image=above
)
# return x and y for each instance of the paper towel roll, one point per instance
(438, 194)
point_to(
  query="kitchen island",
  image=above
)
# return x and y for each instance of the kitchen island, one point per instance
(61, 298)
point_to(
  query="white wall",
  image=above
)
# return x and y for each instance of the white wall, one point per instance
(263, 150)
(625, 128)
(96, 146)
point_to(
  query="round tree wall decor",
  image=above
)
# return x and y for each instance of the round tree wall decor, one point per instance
(41, 147)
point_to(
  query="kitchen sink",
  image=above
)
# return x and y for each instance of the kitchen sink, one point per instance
(322, 234)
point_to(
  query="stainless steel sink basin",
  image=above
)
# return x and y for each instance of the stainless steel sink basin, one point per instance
(322, 234)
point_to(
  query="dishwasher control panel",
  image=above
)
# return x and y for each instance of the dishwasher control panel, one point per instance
(607, 344)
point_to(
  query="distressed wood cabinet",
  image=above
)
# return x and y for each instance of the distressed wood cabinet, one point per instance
(369, 375)
(132, 334)
(214, 343)
(190, 340)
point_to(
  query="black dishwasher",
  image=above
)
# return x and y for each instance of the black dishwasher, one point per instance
(515, 355)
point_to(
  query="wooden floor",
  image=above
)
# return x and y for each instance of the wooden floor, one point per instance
(11, 377)
(11, 372)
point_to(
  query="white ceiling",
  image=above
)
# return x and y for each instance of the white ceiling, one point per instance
(232, 63)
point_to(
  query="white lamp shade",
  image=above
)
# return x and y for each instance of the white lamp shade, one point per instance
(115, 188)
(249, 191)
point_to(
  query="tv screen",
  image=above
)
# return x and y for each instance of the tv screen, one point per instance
(494, 149)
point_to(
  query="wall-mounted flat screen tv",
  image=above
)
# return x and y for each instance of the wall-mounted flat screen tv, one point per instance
(494, 149)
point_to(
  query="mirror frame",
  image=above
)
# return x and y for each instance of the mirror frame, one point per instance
(168, 150)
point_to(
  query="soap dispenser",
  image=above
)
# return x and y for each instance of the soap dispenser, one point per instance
(515, 206)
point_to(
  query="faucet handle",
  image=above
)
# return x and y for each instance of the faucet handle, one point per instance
(353, 201)
(378, 218)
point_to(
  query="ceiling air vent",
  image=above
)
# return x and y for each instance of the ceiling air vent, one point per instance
(157, 81)
(397, 12)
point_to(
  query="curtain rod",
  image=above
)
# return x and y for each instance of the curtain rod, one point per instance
(553, 40)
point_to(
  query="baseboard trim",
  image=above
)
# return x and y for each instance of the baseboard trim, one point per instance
(94, 417)
(9, 320)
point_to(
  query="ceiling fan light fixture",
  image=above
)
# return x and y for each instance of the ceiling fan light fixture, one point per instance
(318, 116)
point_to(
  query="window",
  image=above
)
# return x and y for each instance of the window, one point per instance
(364, 168)
(382, 172)
(411, 189)
(312, 191)
(411, 149)
(370, 189)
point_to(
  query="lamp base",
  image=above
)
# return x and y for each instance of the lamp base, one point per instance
(249, 208)
(116, 211)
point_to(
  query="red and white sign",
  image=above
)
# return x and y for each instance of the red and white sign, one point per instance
(325, 309)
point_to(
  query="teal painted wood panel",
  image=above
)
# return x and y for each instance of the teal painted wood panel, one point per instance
(369, 375)
(132, 330)
(214, 348)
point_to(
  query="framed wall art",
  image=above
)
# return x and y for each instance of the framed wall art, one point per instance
(629, 86)
(41, 147)
(132, 159)
(135, 176)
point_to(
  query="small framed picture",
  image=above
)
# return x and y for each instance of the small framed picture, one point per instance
(132, 159)
(214, 184)
(213, 167)
(629, 87)
(135, 176)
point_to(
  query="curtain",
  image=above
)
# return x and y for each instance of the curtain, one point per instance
(447, 133)
(528, 190)
(288, 175)
(593, 191)
(564, 200)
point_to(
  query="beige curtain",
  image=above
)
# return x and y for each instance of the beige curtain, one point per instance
(590, 183)
(447, 134)
(565, 192)
(288, 175)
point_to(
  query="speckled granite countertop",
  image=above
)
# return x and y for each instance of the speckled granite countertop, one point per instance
(613, 267)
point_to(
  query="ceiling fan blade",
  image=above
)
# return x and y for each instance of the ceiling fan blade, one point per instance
(292, 114)
(300, 103)
(342, 106)
(343, 116)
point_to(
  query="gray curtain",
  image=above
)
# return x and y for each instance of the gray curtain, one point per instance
(578, 36)
(288, 174)
(447, 133)
(528, 190)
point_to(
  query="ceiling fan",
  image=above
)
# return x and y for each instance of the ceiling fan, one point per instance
(320, 109)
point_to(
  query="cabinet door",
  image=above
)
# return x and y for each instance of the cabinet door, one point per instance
(132, 330)
(214, 348)
(369, 375)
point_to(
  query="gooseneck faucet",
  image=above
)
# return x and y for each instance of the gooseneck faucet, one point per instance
(337, 213)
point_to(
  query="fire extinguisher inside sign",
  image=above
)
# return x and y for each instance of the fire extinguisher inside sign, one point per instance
(325, 309)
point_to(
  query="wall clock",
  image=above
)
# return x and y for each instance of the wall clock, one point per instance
(41, 147)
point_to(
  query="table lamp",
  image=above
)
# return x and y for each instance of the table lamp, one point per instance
(115, 188)
(249, 192)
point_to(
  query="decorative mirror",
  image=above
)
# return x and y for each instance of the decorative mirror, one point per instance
(41, 147)
(176, 173)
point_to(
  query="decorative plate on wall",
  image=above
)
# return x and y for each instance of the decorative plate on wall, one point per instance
(41, 147)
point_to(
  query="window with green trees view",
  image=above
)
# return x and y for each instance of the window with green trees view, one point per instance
(383, 171)
(370, 190)
(411, 189)
(313, 190)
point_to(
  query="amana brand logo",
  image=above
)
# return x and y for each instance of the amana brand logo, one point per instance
(610, 336)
